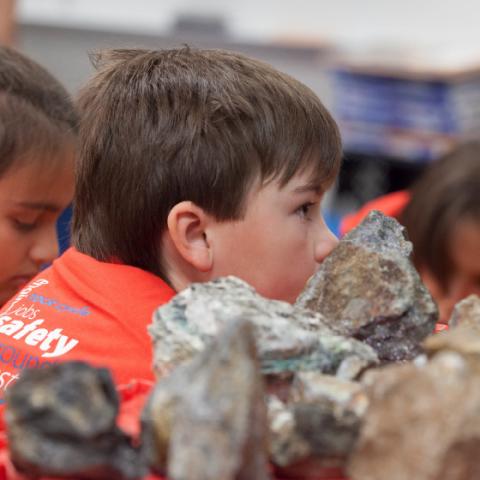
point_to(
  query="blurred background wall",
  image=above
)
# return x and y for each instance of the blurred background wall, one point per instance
(444, 31)
(444, 22)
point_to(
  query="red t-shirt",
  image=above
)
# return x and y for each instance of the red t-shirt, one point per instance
(82, 309)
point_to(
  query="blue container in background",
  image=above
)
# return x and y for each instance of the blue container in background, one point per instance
(63, 229)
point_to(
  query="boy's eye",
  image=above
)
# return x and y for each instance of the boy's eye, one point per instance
(305, 210)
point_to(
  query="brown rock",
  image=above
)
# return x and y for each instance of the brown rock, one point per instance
(463, 339)
(368, 289)
(423, 423)
(466, 312)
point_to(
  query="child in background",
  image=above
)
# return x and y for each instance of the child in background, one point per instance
(37, 148)
(443, 222)
(442, 216)
(193, 164)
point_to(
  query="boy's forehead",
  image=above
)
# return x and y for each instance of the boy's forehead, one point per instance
(300, 182)
(307, 179)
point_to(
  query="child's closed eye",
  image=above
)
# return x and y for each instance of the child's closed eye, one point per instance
(23, 226)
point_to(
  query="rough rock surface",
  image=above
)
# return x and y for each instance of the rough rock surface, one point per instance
(287, 446)
(466, 312)
(61, 423)
(423, 422)
(207, 420)
(321, 418)
(463, 339)
(367, 288)
(288, 339)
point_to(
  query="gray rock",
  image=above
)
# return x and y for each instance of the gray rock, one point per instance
(61, 423)
(367, 288)
(320, 420)
(422, 422)
(287, 446)
(381, 234)
(466, 312)
(311, 387)
(288, 339)
(207, 420)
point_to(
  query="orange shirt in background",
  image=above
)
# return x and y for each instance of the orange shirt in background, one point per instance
(391, 204)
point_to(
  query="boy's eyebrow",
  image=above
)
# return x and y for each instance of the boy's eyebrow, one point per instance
(309, 187)
(49, 207)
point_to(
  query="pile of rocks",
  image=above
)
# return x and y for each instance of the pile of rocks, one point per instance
(347, 377)
(423, 420)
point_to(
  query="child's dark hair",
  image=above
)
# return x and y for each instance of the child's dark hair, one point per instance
(446, 194)
(37, 116)
(160, 127)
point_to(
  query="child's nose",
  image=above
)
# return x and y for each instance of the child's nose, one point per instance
(45, 247)
(326, 242)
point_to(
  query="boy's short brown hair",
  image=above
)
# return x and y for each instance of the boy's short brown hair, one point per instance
(37, 115)
(160, 127)
(447, 193)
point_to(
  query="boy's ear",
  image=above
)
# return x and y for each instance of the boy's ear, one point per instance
(186, 225)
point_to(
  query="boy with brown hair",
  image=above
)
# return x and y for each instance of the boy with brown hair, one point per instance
(194, 164)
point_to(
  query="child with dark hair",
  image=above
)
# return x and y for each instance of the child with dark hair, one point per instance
(193, 164)
(442, 216)
(443, 222)
(37, 148)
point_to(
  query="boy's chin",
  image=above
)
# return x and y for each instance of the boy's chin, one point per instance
(290, 297)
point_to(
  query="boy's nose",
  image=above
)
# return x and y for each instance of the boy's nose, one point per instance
(326, 242)
(45, 247)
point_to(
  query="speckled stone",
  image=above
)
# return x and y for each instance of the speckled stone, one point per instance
(61, 423)
(466, 312)
(464, 339)
(208, 419)
(320, 420)
(289, 339)
(422, 423)
(367, 288)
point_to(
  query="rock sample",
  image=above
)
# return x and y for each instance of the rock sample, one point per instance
(207, 420)
(287, 445)
(463, 336)
(466, 312)
(463, 339)
(423, 422)
(288, 339)
(61, 423)
(368, 289)
(321, 419)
